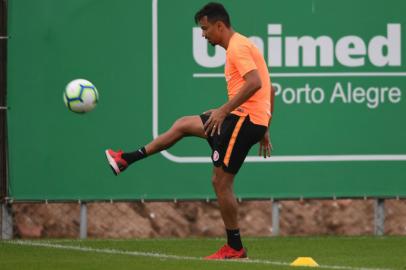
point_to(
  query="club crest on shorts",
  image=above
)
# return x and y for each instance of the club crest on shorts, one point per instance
(216, 155)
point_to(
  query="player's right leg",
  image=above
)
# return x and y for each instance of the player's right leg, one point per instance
(183, 127)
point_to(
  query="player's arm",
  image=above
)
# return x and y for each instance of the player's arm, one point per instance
(272, 104)
(265, 144)
(251, 85)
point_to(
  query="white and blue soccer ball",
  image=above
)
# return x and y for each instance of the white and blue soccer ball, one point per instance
(80, 96)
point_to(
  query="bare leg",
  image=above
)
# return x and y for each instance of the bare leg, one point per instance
(223, 186)
(185, 126)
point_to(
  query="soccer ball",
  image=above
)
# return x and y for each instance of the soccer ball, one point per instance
(80, 96)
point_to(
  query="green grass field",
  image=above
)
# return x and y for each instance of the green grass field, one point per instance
(341, 253)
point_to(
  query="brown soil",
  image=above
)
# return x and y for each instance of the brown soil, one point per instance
(185, 219)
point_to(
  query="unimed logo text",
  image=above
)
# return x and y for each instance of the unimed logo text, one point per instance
(283, 50)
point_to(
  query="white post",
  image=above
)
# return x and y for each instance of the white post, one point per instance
(275, 218)
(83, 220)
(6, 221)
(379, 220)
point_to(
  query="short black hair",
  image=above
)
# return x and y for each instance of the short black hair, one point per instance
(214, 12)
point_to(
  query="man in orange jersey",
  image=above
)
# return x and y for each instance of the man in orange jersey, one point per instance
(232, 129)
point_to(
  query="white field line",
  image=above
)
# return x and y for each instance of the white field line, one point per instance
(167, 256)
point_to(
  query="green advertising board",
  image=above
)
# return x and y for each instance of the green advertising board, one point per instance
(338, 70)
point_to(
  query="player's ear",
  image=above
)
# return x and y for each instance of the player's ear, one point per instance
(220, 25)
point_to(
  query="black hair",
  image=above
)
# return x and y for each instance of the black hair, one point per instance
(214, 12)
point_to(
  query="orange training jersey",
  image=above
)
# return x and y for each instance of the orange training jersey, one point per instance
(241, 57)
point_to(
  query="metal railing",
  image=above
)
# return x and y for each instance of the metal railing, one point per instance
(201, 218)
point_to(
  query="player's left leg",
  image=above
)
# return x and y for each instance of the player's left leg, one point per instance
(230, 148)
(223, 186)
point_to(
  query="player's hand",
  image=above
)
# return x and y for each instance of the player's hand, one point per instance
(265, 145)
(209, 111)
(213, 124)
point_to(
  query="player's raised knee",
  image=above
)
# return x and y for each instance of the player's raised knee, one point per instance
(183, 124)
(180, 123)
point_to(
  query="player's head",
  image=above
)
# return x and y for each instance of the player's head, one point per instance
(214, 12)
(213, 18)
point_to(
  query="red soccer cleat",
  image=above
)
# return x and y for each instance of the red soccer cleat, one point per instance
(227, 252)
(117, 163)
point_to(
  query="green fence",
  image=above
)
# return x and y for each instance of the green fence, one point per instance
(338, 68)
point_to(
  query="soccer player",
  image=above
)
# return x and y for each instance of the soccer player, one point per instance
(232, 129)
